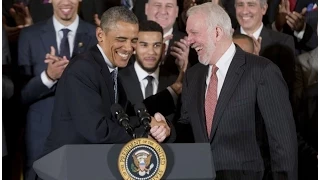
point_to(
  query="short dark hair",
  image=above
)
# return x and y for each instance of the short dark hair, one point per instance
(147, 26)
(243, 36)
(114, 14)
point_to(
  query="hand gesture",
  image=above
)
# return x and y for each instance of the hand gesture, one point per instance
(180, 50)
(167, 38)
(296, 20)
(159, 128)
(97, 21)
(284, 9)
(56, 65)
(21, 14)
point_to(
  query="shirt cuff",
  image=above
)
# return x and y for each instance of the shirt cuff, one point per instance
(46, 81)
(299, 35)
(174, 95)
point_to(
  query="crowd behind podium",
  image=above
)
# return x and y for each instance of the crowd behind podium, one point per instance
(283, 31)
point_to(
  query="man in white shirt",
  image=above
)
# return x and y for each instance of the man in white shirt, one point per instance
(44, 51)
(224, 96)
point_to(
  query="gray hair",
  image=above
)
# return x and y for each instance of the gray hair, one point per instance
(114, 14)
(216, 16)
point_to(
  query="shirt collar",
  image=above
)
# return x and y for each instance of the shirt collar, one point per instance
(168, 33)
(256, 34)
(110, 65)
(72, 27)
(224, 62)
(142, 74)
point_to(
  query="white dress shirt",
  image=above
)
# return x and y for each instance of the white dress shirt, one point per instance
(223, 64)
(59, 35)
(142, 74)
(256, 34)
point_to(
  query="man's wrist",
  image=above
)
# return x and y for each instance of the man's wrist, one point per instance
(49, 77)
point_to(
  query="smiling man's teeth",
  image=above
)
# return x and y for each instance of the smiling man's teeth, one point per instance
(65, 10)
(123, 55)
(245, 18)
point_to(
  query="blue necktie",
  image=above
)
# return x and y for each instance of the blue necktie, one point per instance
(114, 75)
(64, 45)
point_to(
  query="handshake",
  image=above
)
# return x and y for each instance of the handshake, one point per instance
(154, 127)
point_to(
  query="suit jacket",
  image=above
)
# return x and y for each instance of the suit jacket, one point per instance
(252, 87)
(84, 97)
(270, 37)
(169, 60)
(34, 43)
(306, 72)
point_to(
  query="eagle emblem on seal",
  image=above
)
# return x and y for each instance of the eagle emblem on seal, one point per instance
(141, 162)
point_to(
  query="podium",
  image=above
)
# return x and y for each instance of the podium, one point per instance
(100, 162)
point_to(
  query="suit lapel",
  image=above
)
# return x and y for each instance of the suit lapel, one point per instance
(230, 83)
(201, 84)
(48, 36)
(104, 71)
(133, 82)
(82, 39)
(266, 39)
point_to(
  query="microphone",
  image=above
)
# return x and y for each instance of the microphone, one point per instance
(144, 117)
(122, 118)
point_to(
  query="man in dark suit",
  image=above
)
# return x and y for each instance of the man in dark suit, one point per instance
(42, 70)
(223, 97)
(249, 14)
(145, 78)
(89, 87)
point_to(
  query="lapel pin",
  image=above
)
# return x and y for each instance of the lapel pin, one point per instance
(80, 44)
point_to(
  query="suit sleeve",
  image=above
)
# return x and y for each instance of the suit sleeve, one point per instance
(92, 119)
(275, 108)
(34, 88)
(184, 117)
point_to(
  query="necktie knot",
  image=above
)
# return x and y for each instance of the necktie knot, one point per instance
(149, 78)
(65, 32)
(214, 70)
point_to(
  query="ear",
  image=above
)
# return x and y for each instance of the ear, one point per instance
(99, 34)
(219, 33)
(264, 9)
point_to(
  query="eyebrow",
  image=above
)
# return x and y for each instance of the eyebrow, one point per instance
(143, 42)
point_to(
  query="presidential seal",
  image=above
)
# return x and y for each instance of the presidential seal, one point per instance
(142, 159)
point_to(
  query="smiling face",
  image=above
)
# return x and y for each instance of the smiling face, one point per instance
(201, 38)
(249, 14)
(164, 12)
(149, 50)
(118, 42)
(65, 11)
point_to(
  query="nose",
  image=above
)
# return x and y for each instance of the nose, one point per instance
(163, 9)
(128, 46)
(151, 50)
